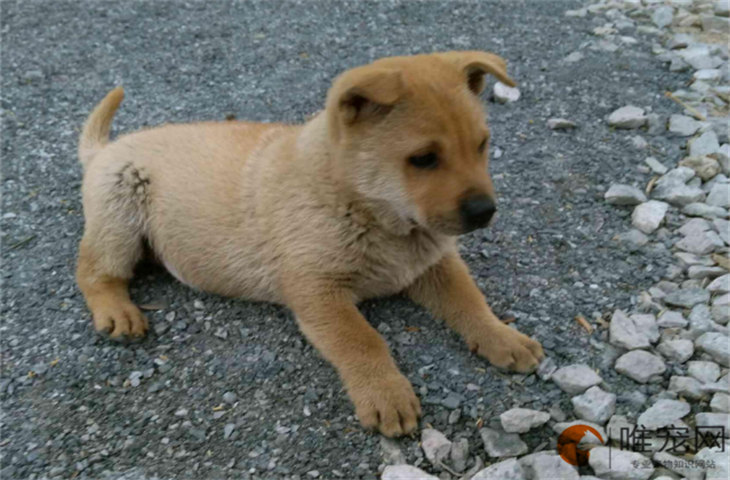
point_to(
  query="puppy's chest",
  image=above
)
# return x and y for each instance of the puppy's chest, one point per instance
(384, 264)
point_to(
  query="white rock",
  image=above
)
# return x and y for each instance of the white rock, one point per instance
(560, 124)
(435, 445)
(663, 16)
(719, 195)
(506, 470)
(704, 210)
(594, 405)
(522, 420)
(505, 94)
(719, 461)
(619, 464)
(683, 125)
(721, 309)
(700, 321)
(700, 243)
(687, 387)
(707, 74)
(575, 379)
(501, 444)
(405, 472)
(714, 419)
(723, 229)
(627, 117)
(640, 365)
(705, 144)
(551, 467)
(717, 345)
(459, 454)
(619, 194)
(720, 403)
(705, 167)
(705, 372)
(679, 350)
(699, 57)
(722, 8)
(720, 284)
(687, 297)
(655, 165)
(649, 215)
(671, 319)
(664, 412)
(626, 332)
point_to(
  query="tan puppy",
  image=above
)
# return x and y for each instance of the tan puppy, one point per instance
(364, 200)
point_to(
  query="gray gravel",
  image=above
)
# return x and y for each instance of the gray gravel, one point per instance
(77, 405)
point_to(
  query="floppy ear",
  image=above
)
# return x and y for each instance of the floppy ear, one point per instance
(364, 92)
(476, 65)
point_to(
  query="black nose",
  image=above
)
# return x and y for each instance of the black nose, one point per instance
(476, 211)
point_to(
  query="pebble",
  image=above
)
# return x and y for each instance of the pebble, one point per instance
(560, 124)
(619, 194)
(228, 430)
(546, 369)
(705, 167)
(663, 16)
(664, 412)
(627, 117)
(720, 284)
(575, 379)
(700, 243)
(704, 210)
(505, 470)
(705, 144)
(613, 463)
(721, 309)
(459, 454)
(229, 398)
(714, 419)
(720, 402)
(632, 332)
(594, 405)
(687, 387)
(505, 94)
(435, 446)
(705, 372)
(549, 466)
(522, 420)
(649, 215)
(405, 472)
(502, 444)
(687, 298)
(655, 165)
(640, 365)
(671, 319)
(683, 125)
(717, 345)
(719, 195)
(679, 350)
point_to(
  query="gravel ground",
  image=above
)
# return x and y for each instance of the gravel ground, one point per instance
(227, 388)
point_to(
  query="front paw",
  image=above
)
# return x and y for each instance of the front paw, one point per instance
(385, 402)
(506, 348)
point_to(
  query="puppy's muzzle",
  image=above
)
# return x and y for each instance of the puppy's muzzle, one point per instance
(476, 212)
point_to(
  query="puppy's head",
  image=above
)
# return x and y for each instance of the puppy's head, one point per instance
(411, 132)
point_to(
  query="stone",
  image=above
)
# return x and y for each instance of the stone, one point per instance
(522, 420)
(699, 57)
(721, 8)
(705, 167)
(594, 405)
(626, 332)
(700, 321)
(506, 470)
(649, 215)
(714, 419)
(405, 472)
(723, 229)
(546, 369)
(675, 464)
(664, 412)
(633, 239)
(704, 210)
(671, 319)
(575, 379)
(700, 243)
(717, 345)
(627, 117)
(719, 195)
(680, 40)
(619, 194)
(619, 464)
(640, 365)
(679, 350)
(655, 165)
(718, 461)
(720, 284)
(707, 74)
(687, 387)
(228, 430)
(721, 309)
(550, 467)
(700, 271)
(502, 444)
(435, 446)
(705, 372)
(714, 23)
(618, 423)
(720, 403)
(639, 143)
(679, 194)
(505, 94)
(663, 16)
(687, 297)
(560, 124)
(705, 144)
(683, 125)
(391, 452)
(229, 397)
(459, 454)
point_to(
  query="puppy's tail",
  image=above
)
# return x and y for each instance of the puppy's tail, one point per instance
(95, 133)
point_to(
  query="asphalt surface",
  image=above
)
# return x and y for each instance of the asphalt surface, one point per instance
(74, 404)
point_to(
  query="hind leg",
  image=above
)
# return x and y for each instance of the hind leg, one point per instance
(111, 247)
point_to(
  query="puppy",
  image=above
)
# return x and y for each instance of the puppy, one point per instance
(364, 200)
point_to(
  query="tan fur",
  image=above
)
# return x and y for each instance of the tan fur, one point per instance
(316, 217)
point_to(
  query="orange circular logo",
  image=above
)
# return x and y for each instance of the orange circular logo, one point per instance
(568, 444)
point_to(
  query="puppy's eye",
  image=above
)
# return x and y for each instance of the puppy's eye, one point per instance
(482, 145)
(426, 161)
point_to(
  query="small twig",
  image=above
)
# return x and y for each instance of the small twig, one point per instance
(584, 323)
(650, 185)
(21, 243)
(689, 108)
